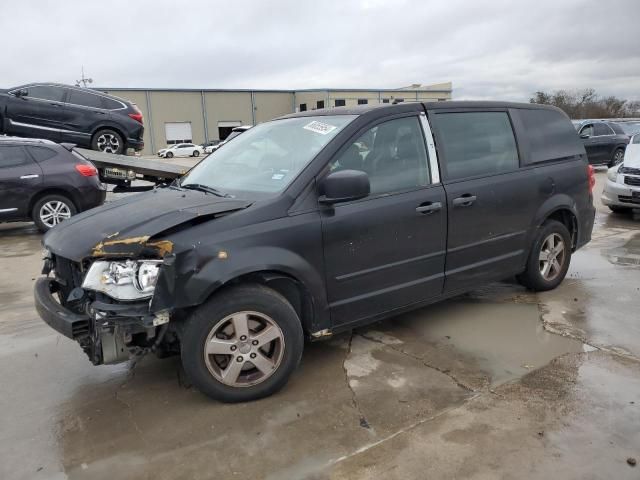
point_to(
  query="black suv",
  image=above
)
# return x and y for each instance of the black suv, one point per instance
(605, 142)
(45, 182)
(63, 113)
(315, 223)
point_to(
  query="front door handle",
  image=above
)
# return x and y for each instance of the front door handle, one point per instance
(27, 177)
(429, 207)
(465, 200)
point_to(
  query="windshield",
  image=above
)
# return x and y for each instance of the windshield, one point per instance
(267, 157)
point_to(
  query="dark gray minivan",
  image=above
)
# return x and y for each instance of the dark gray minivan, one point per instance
(315, 223)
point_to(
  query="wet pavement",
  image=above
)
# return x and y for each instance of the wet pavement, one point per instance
(498, 383)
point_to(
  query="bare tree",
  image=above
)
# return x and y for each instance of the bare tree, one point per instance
(587, 104)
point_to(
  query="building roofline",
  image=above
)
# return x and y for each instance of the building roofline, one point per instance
(249, 90)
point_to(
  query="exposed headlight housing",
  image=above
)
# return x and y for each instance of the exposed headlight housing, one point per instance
(123, 279)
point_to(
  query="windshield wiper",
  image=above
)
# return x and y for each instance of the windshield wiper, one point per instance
(204, 188)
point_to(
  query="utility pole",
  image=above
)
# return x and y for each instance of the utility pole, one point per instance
(83, 80)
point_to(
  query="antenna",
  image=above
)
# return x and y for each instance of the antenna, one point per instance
(83, 80)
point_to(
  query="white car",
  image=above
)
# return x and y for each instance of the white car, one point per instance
(181, 150)
(622, 191)
(234, 133)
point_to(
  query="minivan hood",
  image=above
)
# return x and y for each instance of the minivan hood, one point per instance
(127, 227)
(632, 155)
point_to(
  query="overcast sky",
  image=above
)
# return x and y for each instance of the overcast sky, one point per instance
(488, 49)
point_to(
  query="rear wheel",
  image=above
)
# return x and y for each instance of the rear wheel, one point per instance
(549, 257)
(618, 157)
(242, 344)
(107, 141)
(50, 210)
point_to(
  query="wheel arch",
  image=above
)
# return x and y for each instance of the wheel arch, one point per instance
(109, 126)
(562, 209)
(51, 191)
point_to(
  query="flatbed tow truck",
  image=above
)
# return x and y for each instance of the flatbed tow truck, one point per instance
(122, 170)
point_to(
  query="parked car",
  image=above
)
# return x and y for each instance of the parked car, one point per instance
(234, 133)
(45, 182)
(180, 150)
(604, 142)
(63, 113)
(208, 146)
(622, 191)
(315, 223)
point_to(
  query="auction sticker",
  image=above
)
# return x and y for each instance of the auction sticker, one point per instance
(319, 127)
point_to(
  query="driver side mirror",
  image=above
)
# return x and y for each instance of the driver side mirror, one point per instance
(344, 185)
(584, 135)
(23, 92)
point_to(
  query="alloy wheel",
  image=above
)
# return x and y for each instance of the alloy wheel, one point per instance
(244, 349)
(552, 257)
(53, 212)
(618, 157)
(108, 143)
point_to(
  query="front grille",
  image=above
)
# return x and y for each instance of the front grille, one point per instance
(635, 181)
(629, 170)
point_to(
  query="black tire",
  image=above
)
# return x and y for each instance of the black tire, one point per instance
(532, 277)
(168, 155)
(196, 153)
(45, 224)
(617, 209)
(108, 141)
(243, 298)
(618, 157)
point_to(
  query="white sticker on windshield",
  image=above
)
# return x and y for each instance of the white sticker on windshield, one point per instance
(319, 127)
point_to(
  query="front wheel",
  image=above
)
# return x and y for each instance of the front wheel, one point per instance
(168, 155)
(242, 344)
(196, 153)
(549, 258)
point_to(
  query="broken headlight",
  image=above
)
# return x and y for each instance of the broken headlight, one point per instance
(123, 280)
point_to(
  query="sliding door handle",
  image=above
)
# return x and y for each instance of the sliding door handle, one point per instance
(464, 201)
(27, 177)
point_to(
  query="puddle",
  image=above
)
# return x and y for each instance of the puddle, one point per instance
(504, 340)
(626, 255)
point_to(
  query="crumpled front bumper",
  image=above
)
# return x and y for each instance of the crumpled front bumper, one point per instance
(61, 319)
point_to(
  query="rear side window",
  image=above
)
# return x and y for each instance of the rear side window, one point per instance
(42, 153)
(111, 104)
(476, 143)
(85, 99)
(602, 129)
(549, 135)
(13, 156)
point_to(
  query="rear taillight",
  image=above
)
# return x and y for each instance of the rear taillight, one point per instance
(86, 170)
(592, 178)
(136, 116)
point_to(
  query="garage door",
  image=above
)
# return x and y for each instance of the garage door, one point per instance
(178, 132)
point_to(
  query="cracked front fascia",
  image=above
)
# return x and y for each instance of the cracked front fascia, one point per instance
(132, 246)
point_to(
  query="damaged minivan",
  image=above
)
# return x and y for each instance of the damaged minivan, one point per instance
(315, 223)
